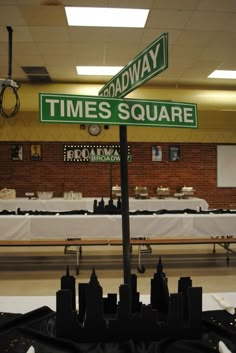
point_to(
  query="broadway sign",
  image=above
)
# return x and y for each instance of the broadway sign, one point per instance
(62, 108)
(93, 153)
(150, 62)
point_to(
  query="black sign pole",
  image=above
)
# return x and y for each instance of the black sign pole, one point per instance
(125, 203)
(110, 186)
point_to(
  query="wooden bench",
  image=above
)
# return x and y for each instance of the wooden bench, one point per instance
(45, 242)
(176, 241)
(78, 243)
(223, 241)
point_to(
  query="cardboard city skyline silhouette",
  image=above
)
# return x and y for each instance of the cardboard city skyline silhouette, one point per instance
(111, 318)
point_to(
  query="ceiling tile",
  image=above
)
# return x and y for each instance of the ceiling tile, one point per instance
(142, 4)
(231, 25)
(149, 35)
(11, 16)
(54, 49)
(194, 38)
(25, 49)
(217, 5)
(175, 19)
(173, 4)
(65, 60)
(49, 34)
(201, 38)
(209, 21)
(29, 60)
(44, 15)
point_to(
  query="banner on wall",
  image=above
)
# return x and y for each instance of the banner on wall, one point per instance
(93, 153)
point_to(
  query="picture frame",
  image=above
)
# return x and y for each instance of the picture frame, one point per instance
(35, 152)
(174, 153)
(156, 153)
(17, 152)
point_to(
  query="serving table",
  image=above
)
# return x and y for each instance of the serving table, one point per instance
(87, 229)
(86, 203)
(109, 226)
(24, 304)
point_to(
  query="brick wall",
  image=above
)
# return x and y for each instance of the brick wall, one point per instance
(196, 167)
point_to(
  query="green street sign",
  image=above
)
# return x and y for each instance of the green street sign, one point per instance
(66, 108)
(150, 62)
(107, 159)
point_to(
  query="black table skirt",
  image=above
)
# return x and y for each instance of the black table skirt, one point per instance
(37, 328)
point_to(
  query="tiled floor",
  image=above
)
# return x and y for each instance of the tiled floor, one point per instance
(37, 271)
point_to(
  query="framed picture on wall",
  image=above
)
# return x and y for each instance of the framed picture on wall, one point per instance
(156, 153)
(174, 153)
(35, 152)
(17, 152)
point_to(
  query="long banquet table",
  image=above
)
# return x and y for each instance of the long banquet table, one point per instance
(28, 324)
(24, 304)
(110, 226)
(89, 229)
(86, 203)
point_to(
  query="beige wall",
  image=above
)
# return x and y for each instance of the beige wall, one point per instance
(216, 120)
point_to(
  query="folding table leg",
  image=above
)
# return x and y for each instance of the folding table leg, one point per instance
(78, 254)
(147, 250)
(141, 268)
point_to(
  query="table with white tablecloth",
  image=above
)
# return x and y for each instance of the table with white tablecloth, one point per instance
(86, 203)
(24, 304)
(29, 324)
(110, 226)
(186, 228)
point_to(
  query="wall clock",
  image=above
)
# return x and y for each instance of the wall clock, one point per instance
(94, 129)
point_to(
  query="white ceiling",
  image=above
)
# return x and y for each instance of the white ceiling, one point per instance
(202, 38)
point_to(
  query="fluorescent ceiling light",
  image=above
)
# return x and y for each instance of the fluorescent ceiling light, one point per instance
(227, 74)
(106, 17)
(98, 70)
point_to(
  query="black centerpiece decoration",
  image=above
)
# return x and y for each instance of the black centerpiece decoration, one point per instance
(109, 208)
(104, 319)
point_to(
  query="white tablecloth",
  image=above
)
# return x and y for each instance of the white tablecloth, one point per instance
(61, 204)
(21, 304)
(110, 226)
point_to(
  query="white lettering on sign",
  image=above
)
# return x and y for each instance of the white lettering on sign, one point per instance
(150, 112)
(93, 153)
(78, 109)
(121, 111)
(90, 108)
(146, 66)
(74, 110)
(105, 110)
(154, 114)
(188, 115)
(108, 152)
(62, 107)
(138, 112)
(125, 80)
(154, 56)
(69, 154)
(52, 103)
(135, 73)
(176, 114)
(163, 115)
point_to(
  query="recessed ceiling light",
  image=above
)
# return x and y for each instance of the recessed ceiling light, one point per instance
(226, 74)
(106, 17)
(98, 70)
